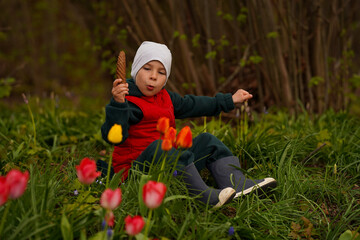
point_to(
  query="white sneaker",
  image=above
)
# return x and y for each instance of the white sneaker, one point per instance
(226, 195)
(267, 183)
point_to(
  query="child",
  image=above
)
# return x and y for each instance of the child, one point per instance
(139, 103)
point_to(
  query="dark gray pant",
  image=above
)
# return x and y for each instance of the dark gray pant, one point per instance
(206, 149)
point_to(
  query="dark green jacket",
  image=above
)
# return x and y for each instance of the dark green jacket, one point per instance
(127, 113)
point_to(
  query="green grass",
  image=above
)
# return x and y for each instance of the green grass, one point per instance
(318, 193)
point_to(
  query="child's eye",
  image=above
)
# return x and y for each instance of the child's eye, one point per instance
(146, 68)
(162, 73)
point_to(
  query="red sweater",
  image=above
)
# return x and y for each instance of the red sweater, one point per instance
(144, 132)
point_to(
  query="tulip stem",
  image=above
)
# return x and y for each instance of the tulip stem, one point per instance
(148, 223)
(4, 217)
(108, 171)
(33, 123)
(176, 160)
(162, 166)
(156, 150)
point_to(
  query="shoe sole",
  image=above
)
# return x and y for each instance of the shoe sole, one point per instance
(264, 185)
(226, 196)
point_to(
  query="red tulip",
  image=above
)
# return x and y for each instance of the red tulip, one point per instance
(184, 138)
(163, 125)
(166, 145)
(17, 182)
(170, 134)
(110, 218)
(153, 194)
(110, 199)
(86, 171)
(134, 225)
(4, 190)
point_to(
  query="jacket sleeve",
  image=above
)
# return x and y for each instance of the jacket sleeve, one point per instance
(124, 114)
(198, 106)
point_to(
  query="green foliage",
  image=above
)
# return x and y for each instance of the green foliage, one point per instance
(211, 42)
(317, 194)
(241, 18)
(228, 17)
(178, 35)
(66, 230)
(349, 235)
(211, 54)
(195, 40)
(272, 35)
(5, 86)
(355, 80)
(315, 81)
(224, 41)
(322, 183)
(3, 36)
(255, 59)
(221, 79)
(188, 85)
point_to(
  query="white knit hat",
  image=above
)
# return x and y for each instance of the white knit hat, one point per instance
(149, 51)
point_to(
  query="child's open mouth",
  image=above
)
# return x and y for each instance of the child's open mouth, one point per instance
(150, 88)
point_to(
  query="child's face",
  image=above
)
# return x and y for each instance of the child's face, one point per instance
(151, 78)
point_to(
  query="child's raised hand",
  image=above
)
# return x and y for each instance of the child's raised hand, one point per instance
(119, 90)
(241, 96)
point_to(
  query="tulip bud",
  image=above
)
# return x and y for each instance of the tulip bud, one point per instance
(134, 225)
(170, 134)
(86, 171)
(110, 199)
(17, 182)
(166, 145)
(4, 191)
(184, 138)
(115, 134)
(153, 194)
(163, 125)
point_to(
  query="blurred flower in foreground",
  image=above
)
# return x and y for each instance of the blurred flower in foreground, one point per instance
(175, 173)
(110, 199)
(86, 171)
(109, 233)
(163, 125)
(184, 138)
(153, 194)
(115, 134)
(170, 134)
(76, 192)
(231, 231)
(17, 182)
(110, 218)
(25, 98)
(4, 190)
(166, 145)
(103, 224)
(134, 225)
(168, 139)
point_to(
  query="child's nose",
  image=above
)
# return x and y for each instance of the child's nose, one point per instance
(153, 75)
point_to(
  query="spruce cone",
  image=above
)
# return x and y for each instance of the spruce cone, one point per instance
(121, 66)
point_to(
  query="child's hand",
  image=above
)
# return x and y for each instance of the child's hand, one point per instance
(119, 90)
(241, 96)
